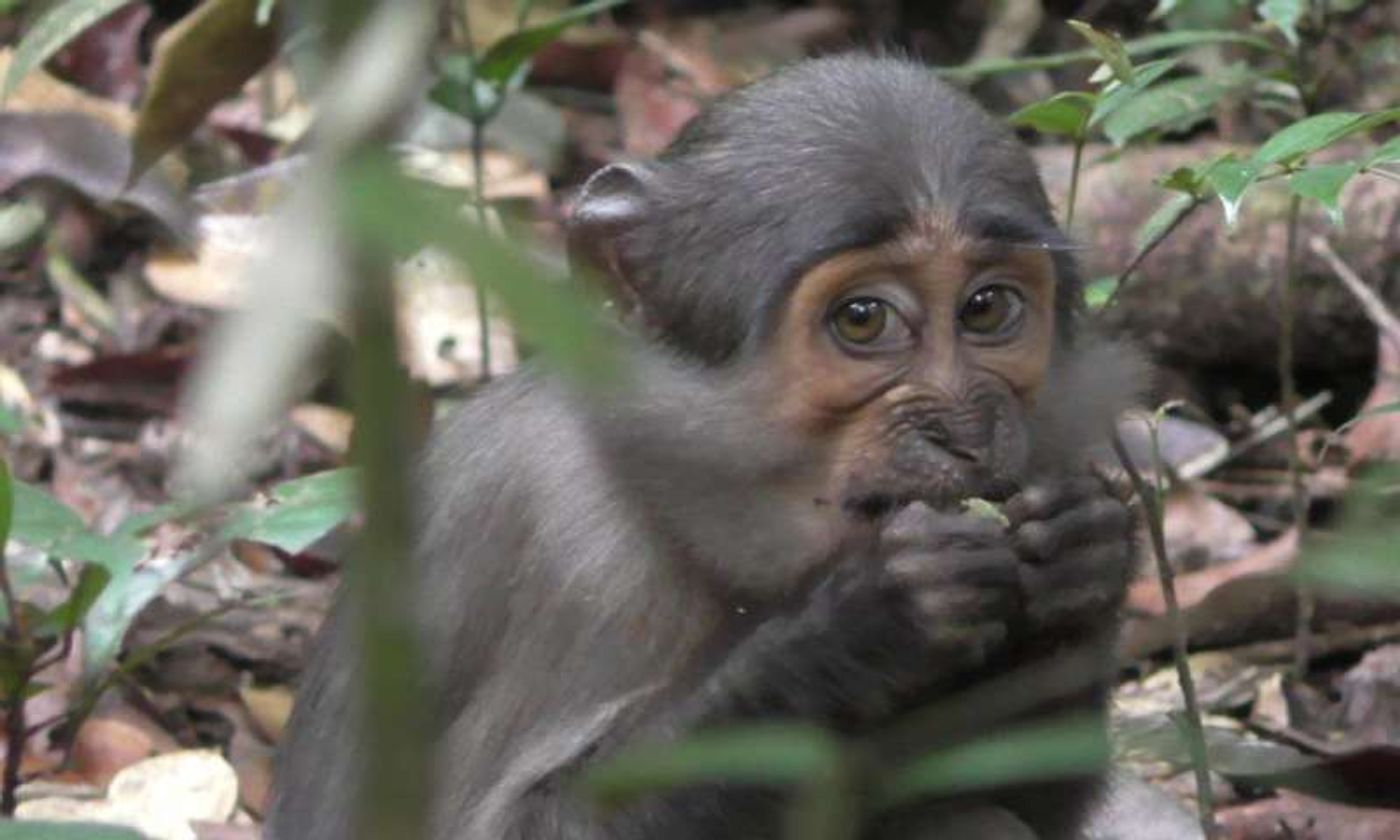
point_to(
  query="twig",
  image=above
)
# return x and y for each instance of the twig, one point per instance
(1371, 303)
(1146, 250)
(1384, 173)
(1195, 732)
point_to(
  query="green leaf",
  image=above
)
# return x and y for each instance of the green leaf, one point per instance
(299, 512)
(43, 523)
(1360, 556)
(21, 222)
(51, 32)
(1056, 749)
(1389, 152)
(1324, 183)
(1109, 48)
(34, 830)
(7, 506)
(205, 58)
(1184, 179)
(1121, 94)
(1098, 291)
(1146, 45)
(386, 209)
(508, 56)
(1230, 178)
(1285, 15)
(1065, 113)
(1178, 204)
(1174, 105)
(64, 618)
(263, 16)
(761, 754)
(1318, 132)
(11, 423)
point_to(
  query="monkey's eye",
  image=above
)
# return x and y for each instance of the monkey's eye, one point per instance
(992, 311)
(867, 322)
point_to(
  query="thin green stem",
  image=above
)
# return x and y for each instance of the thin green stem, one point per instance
(1194, 730)
(1073, 183)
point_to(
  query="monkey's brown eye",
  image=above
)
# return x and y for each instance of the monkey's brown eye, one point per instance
(992, 311)
(861, 320)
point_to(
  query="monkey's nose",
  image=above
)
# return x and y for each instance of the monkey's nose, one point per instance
(937, 433)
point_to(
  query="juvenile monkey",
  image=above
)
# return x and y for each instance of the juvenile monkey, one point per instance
(849, 310)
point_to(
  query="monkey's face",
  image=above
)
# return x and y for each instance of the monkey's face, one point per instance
(913, 366)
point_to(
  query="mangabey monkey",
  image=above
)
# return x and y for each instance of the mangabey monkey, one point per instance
(850, 309)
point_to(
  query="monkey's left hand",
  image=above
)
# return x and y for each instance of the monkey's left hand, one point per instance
(1074, 538)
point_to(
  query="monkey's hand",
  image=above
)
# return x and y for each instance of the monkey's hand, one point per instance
(956, 579)
(1074, 538)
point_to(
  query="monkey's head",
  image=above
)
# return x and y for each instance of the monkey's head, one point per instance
(875, 244)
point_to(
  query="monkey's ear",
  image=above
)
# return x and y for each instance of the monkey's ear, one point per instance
(614, 201)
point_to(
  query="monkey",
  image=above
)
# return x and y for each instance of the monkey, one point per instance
(845, 307)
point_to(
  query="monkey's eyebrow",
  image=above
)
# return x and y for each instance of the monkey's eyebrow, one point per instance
(997, 232)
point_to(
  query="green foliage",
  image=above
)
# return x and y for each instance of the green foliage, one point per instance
(1109, 48)
(764, 754)
(1036, 752)
(1284, 14)
(1361, 556)
(476, 87)
(389, 211)
(1175, 105)
(50, 33)
(1136, 47)
(298, 512)
(1324, 184)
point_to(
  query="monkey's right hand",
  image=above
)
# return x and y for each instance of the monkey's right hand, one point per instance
(956, 579)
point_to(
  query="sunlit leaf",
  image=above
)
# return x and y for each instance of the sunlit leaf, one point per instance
(1285, 15)
(1318, 132)
(1230, 178)
(771, 754)
(300, 511)
(264, 13)
(205, 58)
(1174, 105)
(389, 210)
(503, 60)
(1324, 183)
(1098, 291)
(51, 32)
(1056, 749)
(1065, 113)
(1109, 48)
(42, 522)
(1122, 94)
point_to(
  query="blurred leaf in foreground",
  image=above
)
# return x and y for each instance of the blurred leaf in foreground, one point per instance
(387, 209)
(1361, 556)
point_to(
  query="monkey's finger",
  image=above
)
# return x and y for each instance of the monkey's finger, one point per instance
(1101, 519)
(987, 569)
(920, 527)
(1043, 501)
